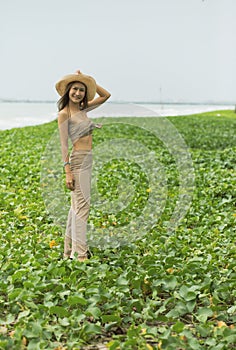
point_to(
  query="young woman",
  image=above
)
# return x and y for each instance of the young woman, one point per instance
(77, 93)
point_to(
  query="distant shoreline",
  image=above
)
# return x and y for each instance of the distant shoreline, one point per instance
(132, 102)
(22, 113)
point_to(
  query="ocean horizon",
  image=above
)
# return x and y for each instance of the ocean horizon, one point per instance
(176, 102)
(20, 113)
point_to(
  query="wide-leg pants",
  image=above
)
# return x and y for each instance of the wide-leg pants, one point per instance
(75, 243)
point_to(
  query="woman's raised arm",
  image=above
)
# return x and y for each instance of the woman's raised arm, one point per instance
(103, 96)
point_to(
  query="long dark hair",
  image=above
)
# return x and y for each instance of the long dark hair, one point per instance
(64, 100)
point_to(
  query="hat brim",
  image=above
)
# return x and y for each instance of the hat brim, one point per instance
(81, 78)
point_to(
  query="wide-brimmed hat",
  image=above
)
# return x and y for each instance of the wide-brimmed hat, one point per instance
(77, 77)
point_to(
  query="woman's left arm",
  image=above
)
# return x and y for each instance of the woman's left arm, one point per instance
(103, 96)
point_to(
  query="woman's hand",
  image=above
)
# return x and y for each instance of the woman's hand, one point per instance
(70, 181)
(78, 71)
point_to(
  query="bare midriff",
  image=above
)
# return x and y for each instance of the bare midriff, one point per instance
(84, 143)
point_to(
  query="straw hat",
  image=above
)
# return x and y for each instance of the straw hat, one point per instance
(77, 77)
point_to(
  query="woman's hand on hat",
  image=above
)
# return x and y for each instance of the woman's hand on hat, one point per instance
(78, 71)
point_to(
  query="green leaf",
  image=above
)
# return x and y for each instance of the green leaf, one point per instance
(178, 327)
(121, 281)
(15, 293)
(23, 314)
(179, 310)
(34, 330)
(191, 305)
(203, 313)
(113, 345)
(92, 328)
(59, 311)
(74, 300)
(110, 318)
(194, 344)
(93, 311)
(64, 321)
(170, 282)
(232, 309)
(187, 294)
(33, 344)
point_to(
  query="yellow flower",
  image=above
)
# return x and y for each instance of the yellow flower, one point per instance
(23, 217)
(221, 324)
(170, 270)
(149, 347)
(11, 333)
(52, 243)
(183, 337)
(24, 341)
(149, 190)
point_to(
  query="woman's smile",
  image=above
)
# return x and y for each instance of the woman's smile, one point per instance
(77, 97)
(77, 92)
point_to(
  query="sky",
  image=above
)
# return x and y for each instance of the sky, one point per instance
(139, 50)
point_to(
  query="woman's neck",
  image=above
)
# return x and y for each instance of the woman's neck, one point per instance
(74, 107)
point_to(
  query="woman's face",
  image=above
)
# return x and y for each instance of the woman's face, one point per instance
(77, 92)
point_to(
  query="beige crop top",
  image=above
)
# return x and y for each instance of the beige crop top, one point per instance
(75, 127)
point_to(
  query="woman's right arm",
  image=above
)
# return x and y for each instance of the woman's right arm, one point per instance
(63, 132)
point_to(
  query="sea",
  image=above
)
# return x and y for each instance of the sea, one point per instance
(19, 114)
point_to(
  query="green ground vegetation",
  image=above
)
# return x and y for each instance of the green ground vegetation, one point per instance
(167, 290)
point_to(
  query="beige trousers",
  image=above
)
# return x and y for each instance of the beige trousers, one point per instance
(75, 244)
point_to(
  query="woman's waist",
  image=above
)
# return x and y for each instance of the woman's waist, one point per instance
(83, 143)
(80, 151)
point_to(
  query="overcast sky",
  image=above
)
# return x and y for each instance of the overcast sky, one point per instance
(140, 50)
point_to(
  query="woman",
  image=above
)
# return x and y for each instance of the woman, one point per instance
(77, 93)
